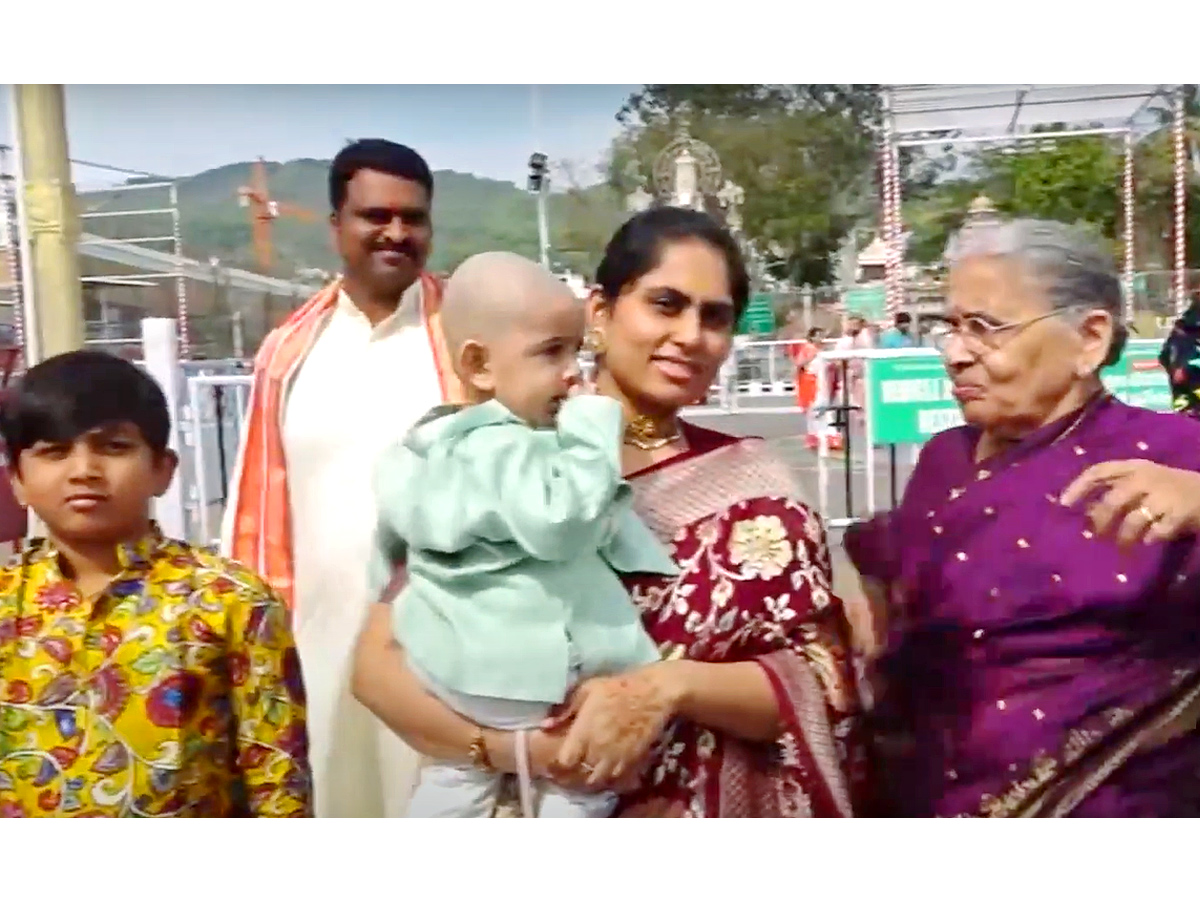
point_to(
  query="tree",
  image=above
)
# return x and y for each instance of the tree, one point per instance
(1154, 178)
(860, 102)
(800, 153)
(1074, 179)
(1070, 179)
(585, 217)
(933, 218)
(805, 154)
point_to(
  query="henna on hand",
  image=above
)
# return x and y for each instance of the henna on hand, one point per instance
(616, 722)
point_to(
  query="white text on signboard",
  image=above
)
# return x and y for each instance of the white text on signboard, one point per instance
(915, 390)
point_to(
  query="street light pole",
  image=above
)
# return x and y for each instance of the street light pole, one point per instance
(543, 225)
(539, 184)
(50, 221)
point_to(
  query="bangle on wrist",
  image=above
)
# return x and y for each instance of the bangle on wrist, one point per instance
(477, 752)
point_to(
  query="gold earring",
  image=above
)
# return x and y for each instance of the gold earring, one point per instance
(594, 342)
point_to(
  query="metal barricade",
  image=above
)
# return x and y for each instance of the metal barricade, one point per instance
(855, 426)
(216, 408)
(215, 405)
(842, 408)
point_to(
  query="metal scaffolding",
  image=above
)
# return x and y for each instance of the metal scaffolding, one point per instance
(12, 291)
(142, 210)
(130, 251)
(917, 115)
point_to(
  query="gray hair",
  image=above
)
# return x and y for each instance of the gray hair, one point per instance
(1078, 273)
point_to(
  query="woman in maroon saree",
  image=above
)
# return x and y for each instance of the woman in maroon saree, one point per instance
(1035, 668)
(754, 585)
(752, 710)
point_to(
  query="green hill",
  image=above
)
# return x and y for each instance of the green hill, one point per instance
(471, 214)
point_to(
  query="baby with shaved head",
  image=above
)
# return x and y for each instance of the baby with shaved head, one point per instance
(510, 520)
(514, 332)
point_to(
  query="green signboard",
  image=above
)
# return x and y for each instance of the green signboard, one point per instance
(1138, 379)
(868, 302)
(759, 316)
(910, 399)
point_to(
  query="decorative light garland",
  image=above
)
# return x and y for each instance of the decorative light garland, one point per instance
(1128, 203)
(1177, 129)
(895, 249)
(887, 186)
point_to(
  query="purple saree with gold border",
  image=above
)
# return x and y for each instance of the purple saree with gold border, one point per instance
(1034, 668)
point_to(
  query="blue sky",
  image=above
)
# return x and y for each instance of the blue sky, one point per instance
(487, 130)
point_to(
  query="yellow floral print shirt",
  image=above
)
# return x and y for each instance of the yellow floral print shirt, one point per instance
(174, 692)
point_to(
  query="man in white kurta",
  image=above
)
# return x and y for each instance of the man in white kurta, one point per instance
(363, 379)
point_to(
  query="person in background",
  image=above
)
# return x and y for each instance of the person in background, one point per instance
(141, 676)
(856, 336)
(899, 336)
(347, 374)
(803, 353)
(1180, 356)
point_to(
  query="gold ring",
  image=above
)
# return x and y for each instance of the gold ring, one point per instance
(1150, 517)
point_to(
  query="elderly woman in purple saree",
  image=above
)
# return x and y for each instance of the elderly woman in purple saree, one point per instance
(1035, 668)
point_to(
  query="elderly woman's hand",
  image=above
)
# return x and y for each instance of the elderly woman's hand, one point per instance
(1140, 499)
(614, 722)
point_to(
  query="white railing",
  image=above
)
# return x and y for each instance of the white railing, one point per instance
(759, 380)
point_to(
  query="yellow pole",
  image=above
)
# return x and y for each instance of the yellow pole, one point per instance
(51, 221)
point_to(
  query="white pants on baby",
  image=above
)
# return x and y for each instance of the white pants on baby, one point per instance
(448, 791)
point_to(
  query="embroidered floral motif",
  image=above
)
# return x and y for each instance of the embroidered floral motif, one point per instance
(741, 594)
(760, 546)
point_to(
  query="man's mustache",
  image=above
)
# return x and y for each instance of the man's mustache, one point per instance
(405, 247)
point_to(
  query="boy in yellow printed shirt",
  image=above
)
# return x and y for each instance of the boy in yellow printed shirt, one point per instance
(139, 676)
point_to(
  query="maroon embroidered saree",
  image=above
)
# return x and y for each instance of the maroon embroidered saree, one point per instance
(754, 585)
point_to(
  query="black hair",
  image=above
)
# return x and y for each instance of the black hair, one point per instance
(814, 331)
(1117, 347)
(378, 155)
(637, 246)
(73, 393)
(903, 318)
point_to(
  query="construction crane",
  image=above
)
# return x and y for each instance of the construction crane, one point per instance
(264, 211)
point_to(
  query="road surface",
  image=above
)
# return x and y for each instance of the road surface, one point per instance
(772, 418)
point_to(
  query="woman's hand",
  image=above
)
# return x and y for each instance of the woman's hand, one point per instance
(614, 722)
(543, 748)
(1142, 500)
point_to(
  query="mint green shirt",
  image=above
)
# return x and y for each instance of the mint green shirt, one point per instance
(513, 537)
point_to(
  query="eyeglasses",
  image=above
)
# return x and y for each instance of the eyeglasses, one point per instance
(980, 336)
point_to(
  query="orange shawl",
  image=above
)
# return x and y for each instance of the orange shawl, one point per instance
(262, 527)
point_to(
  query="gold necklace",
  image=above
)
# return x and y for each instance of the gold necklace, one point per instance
(645, 433)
